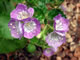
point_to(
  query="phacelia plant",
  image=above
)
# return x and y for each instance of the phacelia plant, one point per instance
(22, 24)
(39, 23)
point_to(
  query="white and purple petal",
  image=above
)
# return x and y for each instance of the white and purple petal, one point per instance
(16, 28)
(22, 12)
(55, 40)
(21, 7)
(48, 52)
(31, 27)
(60, 23)
(30, 11)
(62, 33)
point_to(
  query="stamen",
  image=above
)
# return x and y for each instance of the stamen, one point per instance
(17, 33)
(30, 26)
(22, 15)
(10, 23)
(55, 37)
(14, 27)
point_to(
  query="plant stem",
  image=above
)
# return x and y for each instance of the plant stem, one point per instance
(50, 26)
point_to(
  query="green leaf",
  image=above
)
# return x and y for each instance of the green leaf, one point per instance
(34, 40)
(42, 44)
(31, 48)
(4, 30)
(7, 46)
(31, 3)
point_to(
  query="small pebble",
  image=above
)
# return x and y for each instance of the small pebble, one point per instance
(72, 48)
(77, 52)
(58, 58)
(70, 54)
(74, 58)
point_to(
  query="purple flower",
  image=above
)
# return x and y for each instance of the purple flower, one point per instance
(16, 28)
(31, 27)
(22, 23)
(55, 40)
(22, 12)
(48, 52)
(61, 24)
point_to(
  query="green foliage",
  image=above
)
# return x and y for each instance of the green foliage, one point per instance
(39, 42)
(42, 44)
(55, 12)
(58, 2)
(7, 45)
(41, 10)
(4, 30)
(18, 1)
(34, 40)
(6, 6)
(39, 14)
(31, 48)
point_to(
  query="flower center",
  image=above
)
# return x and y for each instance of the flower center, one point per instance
(23, 15)
(30, 26)
(59, 25)
(48, 50)
(55, 37)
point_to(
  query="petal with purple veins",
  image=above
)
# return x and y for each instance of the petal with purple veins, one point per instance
(60, 23)
(31, 11)
(21, 12)
(16, 28)
(21, 7)
(62, 33)
(55, 40)
(31, 27)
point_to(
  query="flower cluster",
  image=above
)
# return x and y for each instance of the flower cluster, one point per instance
(22, 23)
(57, 37)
